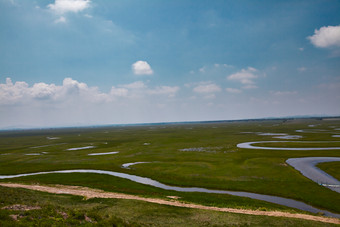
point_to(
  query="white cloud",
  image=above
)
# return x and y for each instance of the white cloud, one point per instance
(214, 68)
(73, 86)
(134, 85)
(72, 91)
(120, 92)
(326, 37)
(60, 20)
(139, 89)
(207, 88)
(164, 90)
(75, 103)
(64, 6)
(12, 93)
(43, 91)
(245, 76)
(233, 90)
(141, 68)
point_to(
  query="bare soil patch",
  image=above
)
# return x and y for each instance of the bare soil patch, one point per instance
(21, 207)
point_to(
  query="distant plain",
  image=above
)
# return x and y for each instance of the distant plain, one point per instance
(188, 155)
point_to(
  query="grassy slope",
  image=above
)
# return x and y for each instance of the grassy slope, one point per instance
(66, 210)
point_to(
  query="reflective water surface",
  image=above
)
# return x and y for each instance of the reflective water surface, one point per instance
(148, 181)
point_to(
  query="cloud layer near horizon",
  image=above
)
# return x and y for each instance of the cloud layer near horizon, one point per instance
(19, 92)
(75, 103)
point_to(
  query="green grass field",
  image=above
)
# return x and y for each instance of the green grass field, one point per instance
(191, 155)
(66, 210)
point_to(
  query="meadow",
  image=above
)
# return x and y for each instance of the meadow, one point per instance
(188, 155)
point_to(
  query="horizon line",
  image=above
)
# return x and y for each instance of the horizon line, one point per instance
(13, 128)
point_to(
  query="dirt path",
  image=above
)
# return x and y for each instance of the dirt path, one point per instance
(95, 193)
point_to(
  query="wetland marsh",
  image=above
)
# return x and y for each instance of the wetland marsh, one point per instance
(182, 158)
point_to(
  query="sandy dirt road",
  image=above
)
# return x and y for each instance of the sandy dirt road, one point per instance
(95, 193)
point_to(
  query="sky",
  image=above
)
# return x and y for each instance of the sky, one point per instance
(95, 62)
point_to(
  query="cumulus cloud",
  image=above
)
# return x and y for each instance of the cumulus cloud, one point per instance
(207, 88)
(70, 89)
(245, 76)
(139, 89)
(73, 87)
(134, 85)
(164, 90)
(12, 93)
(74, 91)
(64, 6)
(327, 36)
(43, 91)
(119, 92)
(141, 68)
(73, 102)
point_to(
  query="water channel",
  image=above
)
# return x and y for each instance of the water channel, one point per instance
(249, 145)
(147, 181)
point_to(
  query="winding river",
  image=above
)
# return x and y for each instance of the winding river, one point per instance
(147, 181)
(105, 153)
(249, 145)
(306, 166)
(127, 165)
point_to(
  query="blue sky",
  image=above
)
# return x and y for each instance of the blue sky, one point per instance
(84, 62)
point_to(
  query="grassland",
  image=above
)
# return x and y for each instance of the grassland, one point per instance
(332, 168)
(66, 210)
(215, 163)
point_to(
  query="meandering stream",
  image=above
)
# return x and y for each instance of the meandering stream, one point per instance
(249, 145)
(147, 181)
(307, 167)
(268, 198)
